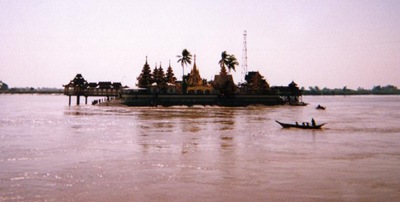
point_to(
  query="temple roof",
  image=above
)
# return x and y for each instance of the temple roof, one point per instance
(77, 81)
(293, 84)
(194, 76)
(93, 84)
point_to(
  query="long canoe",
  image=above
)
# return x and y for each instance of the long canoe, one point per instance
(288, 125)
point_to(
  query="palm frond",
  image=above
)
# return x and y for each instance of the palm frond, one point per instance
(232, 62)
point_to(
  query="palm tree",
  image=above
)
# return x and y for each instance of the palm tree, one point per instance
(224, 59)
(184, 59)
(231, 62)
(222, 62)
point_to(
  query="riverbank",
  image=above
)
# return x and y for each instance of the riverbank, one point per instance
(32, 92)
(376, 90)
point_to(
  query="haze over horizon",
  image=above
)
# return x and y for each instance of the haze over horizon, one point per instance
(353, 43)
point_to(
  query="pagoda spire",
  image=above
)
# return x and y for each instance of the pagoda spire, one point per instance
(194, 62)
(194, 77)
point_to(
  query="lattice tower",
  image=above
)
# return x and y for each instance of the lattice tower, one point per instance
(244, 56)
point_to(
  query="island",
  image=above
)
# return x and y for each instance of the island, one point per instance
(157, 88)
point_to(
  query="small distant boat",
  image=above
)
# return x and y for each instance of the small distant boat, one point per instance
(320, 107)
(288, 125)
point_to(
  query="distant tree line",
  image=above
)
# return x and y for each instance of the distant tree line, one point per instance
(24, 90)
(3, 86)
(376, 90)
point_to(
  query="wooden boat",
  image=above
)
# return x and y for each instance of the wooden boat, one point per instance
(320, 107)
(288, 125)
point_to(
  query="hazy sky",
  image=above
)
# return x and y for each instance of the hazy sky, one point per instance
(328, 43)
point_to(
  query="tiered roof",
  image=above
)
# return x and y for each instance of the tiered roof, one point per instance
(194, 76)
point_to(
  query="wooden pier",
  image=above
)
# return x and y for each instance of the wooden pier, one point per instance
(80, 87)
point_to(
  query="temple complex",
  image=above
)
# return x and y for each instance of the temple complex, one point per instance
(159, 87)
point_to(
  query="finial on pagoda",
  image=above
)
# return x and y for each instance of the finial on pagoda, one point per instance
(194, 62)
(146, 59)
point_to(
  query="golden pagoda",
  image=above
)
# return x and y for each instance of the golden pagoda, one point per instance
(196, 85)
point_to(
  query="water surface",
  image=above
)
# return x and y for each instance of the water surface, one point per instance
(49, 151)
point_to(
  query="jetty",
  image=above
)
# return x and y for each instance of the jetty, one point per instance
(80, 87)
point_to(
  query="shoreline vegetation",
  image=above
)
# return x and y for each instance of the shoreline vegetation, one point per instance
(31, 90)
(376, 90)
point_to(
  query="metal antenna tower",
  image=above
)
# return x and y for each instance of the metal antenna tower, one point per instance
(244, 56)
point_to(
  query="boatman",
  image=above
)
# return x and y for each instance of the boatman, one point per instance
(313, 122)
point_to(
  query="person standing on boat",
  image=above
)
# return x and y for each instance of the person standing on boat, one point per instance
(313, 122)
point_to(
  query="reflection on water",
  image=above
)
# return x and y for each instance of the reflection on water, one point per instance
(49, 151)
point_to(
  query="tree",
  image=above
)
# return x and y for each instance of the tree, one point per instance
(229, 61)
(389, 89)
(232, 62)
(170, 75)
(144, 79)
(256, 82)
(223, 62)
(184, 59)
(155, 75)
(160, 79)
(161, 74)
(3, 86)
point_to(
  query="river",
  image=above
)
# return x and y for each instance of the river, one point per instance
(52, 152)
